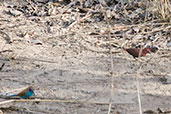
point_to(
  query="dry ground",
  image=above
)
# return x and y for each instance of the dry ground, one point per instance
(71, 64)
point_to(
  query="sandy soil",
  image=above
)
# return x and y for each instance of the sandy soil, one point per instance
(67, 64)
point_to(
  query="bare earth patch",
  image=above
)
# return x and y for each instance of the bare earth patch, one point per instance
(72, 66)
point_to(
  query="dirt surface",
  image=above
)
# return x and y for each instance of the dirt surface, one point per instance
(72, 62)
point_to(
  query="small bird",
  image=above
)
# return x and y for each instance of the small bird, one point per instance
(26, 93)
(136, 51)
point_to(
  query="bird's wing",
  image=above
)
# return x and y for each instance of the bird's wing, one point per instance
(23, 93)
(133, 52)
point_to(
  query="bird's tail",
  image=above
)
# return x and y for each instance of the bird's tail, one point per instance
(12, 95)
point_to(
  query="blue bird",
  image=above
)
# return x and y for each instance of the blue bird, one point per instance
(26, 93)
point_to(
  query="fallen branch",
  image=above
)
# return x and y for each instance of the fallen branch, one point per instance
(59, 101)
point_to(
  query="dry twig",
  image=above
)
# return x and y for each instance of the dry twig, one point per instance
(6, 37)
(111, 62)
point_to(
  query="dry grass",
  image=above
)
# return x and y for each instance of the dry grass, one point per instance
(161, 9)
(108, 15)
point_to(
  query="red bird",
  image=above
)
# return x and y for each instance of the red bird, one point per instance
(135, 52)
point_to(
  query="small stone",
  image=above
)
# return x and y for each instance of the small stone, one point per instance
(166, 79)
(169, 44)
(14, 12)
